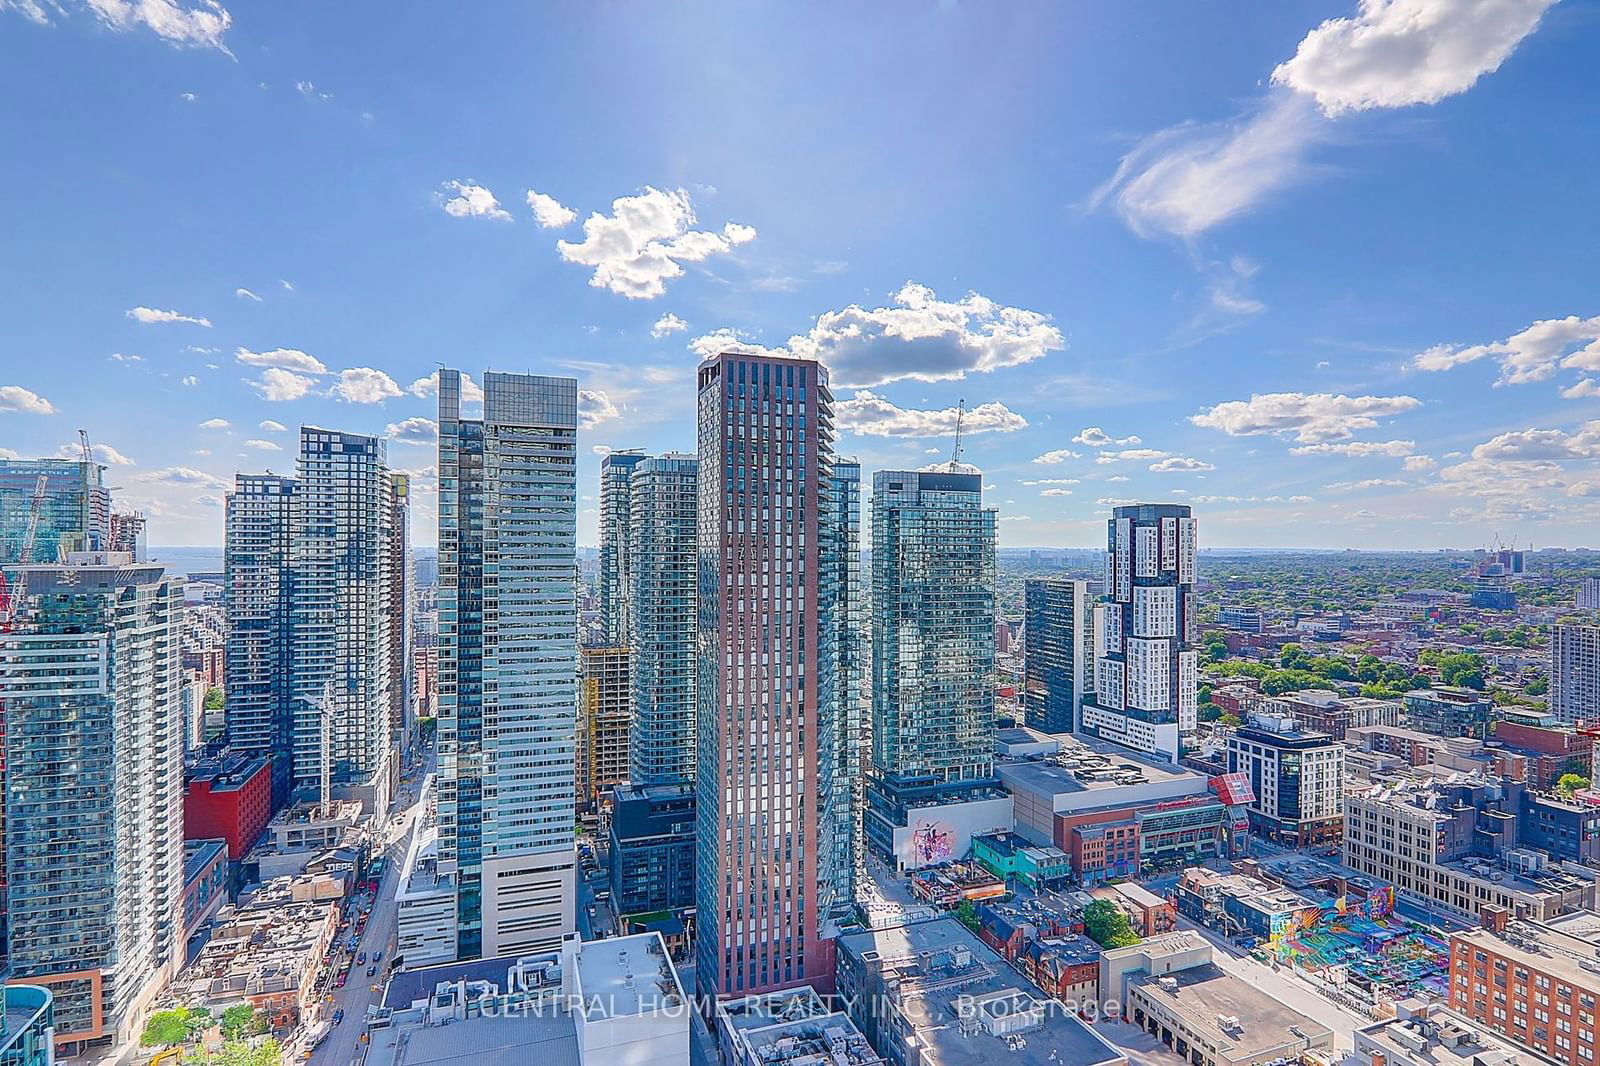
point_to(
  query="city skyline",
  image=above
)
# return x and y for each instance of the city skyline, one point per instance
(1257, 276)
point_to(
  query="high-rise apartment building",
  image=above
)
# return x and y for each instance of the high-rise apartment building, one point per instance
(1057, 652)
(1146, 672)
(397, 550)
(74, 511)
(616, 542)
(933, 654)
(1575, 673)
(603, 725)
(845, 733)
(128, 535)
(90, 672)
(763, 887)
(258, 586)
(664, 550)
(339, 559)
(508, 660)
(1588, 597)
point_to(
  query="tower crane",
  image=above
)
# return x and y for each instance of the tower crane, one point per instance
(961, 417)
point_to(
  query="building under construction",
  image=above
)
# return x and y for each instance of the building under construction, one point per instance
(604, 717)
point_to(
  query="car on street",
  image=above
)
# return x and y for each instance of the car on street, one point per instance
(377, 956)
(338, 1016)
(371, 970)
(340, 982)
(361, 959)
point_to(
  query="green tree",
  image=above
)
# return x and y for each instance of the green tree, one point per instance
(1538, 686)
(213, 700)
(1567, 784)
(1291, 656)
(241, 1053)
(967, 914)
(1228, 718)
(165, 1028)
(1107, 925)
(241, 1021)
(1210, 712)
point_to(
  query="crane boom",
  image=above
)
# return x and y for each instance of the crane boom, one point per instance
(12, 595)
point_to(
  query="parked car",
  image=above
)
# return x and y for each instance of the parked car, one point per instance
(338, 1016)
(340, 982)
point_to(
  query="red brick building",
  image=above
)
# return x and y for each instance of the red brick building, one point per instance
(1534, 991)
(228, 798)
(1550, 749)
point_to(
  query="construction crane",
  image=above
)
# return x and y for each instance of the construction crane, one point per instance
(13, 596)
(83, 444)
(961, 417)
(326, 713)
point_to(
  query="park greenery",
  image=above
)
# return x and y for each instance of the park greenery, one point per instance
(238, 1053)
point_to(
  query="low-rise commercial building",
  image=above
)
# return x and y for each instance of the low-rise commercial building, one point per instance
(1212, 1018)
(1012, 859)
(228, 797)
(595, 1003)
(205, 882)
(789, 1028)
(652, 850)
(932, 994)
(1428, 1034)
(1450, 712)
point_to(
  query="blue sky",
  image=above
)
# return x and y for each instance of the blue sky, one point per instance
(1325, 270)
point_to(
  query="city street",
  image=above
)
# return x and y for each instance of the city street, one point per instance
(342, 1046)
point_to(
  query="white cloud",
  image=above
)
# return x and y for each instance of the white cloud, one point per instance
(1052, 481)
(363, 384)
(288, 286)
(645, 241)
(1095, 437)
(1396, 53)
(1117, 501)
(1313, 417)
(727, 340)
(200, 350)
(204, 24)
(246, 294)
(190, 379)
(103, 453)
(668, 323)
(150, 315)
(1014, 518)
(280, 385)
(1368, 483)
(181, 475)
(549, 212)
(414, 430)
(283, 358)
(215, 423)
(1056, 492)
(118, 357)
(270, 426)
(1534, 354)
(921, 338)
(1177, 464)
(1060, 455)
(471, 201)
(872, 415)
(424, 388)
(595, 407)
(17, 398)
(309, 89)
(1191, 177)
(1117, 478)
(188, 98)
(1129, 455)
(1418, 463)
(263, 445)
(1359, 449)
(1586, 387)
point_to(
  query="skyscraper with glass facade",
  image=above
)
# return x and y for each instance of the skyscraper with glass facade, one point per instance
(933, 644)
(616, 543)
(843, 736)
(508, 660)
(1146, 671)
(339, 560)
(259, 527)
(1058, 652)
(90, 672)
(764, 848)
(74, 513)
(664, 549)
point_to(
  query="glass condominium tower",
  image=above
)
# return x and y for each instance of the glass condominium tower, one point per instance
(765, 877)
(933, 644)
(664, 575)
(508, 660)
(1057, 652)
(339, 562)
(616, 543)
(1146, 671)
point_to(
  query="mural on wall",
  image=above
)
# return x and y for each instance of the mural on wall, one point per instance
(931, 843)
